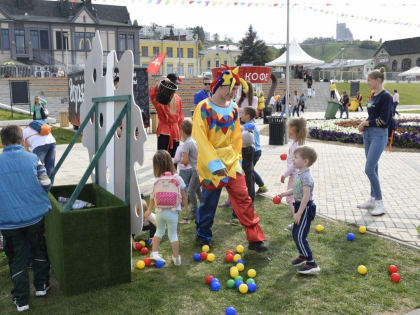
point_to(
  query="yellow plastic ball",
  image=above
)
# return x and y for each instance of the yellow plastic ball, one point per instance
(362, 229)
(319, 228)
(236, 257)
(211, 257)
(143, 244)
(140, 264)
(240, 249)
(362, 269)
(243, 288)
(234, 272)
(205, 248)
(240, 266)
(252, 273)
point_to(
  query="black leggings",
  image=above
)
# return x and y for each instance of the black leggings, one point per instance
(163, 144)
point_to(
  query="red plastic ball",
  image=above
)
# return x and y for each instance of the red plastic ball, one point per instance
(229, 252)
(144, 250)
(229, 258)
(276, 200)
(392, 269)
(395, 277)
(147, 261)
(283, 157)
(203, 256)
(138, 246)
(209, 278)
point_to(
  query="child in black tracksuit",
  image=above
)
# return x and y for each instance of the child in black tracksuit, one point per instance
(305, 208)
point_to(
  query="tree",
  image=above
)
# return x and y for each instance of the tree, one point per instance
(216, 38)
(199, 32)
(254, 50)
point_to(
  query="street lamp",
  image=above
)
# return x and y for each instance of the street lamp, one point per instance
(287, 71)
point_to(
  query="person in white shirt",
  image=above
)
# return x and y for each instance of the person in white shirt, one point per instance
(396, 100)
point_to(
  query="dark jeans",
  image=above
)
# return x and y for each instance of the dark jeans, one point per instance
(248, 167)
(332, 94)
(300, 231)
(163, 144)
(295, 110)
(344, 109)
(46, 154)
(258, 179)
(16, 244)
(394, 109)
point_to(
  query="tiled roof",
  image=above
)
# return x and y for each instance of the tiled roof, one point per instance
(404, 46)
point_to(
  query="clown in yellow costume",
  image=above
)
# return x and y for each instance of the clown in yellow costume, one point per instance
(217, 132)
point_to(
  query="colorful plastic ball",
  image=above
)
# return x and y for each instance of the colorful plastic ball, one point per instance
(230, 310)
(240, 249)
(240, 267)
(276, 200)
(140, 264)
(229, 252)
(144, 251)
(252, 287)
(243, 288)
(350, 236)
(143, 244)
(283, 157)
(319, 228)
(197, 257)
(138, 246)
(236, 257)
(215, 285)
(362, 229)
(240, 261)
(362, 269)
(229, 258)
(239, 278)
(203, 256)
(208, 279)
(395, 277)
(230, 283)
(238, 283)
(205, 248)
(234, 272)
(149, 242)
(211, 257)
(252, 273)
(392, 269)
(250, 280)
(159, 263)
(147, 261)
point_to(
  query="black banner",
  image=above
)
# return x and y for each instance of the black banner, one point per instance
(76, 82)
(19, 92)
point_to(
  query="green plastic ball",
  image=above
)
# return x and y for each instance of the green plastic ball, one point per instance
(239, 278)
(230, 283)
(250, 280)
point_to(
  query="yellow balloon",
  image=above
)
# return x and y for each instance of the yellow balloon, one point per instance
(240, 249)
(140, 264)
(234, 272)
(362, 229)
(211, 257)
(143, 244)
(240, 266)
(236, 257)
(319, 228)
(205, 248)
(243, 288)
(252, 273)
(362, 270)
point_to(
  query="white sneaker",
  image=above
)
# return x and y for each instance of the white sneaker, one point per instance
(43, 292)
(379, 208)
(156, 256)
(177, 260)
(369, 204)
(21, 308)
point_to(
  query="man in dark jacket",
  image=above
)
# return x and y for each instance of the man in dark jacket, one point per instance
(345, 103)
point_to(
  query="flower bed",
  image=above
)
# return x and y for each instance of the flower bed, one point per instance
(407, 133)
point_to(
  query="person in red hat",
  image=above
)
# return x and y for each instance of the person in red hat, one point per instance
(170, 118)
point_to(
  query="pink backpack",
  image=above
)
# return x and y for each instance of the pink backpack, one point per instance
(167, 192)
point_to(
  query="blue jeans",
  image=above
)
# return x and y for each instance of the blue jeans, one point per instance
(186, 177)
(46, 154)
(394, 109)
(258, 179)
(283, 111)
(295, 110)
(375, 140)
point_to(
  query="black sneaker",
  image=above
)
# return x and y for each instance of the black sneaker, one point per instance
(309, 268)
(298, 261)
(201, 242)
(258, 247)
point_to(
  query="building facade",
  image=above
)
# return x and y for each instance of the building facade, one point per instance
(40, 32)
(343, 34)
(181, 56)
(215, 56)
(398, 55)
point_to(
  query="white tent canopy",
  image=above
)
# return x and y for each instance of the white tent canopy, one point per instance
(413, 72)
(297, 57)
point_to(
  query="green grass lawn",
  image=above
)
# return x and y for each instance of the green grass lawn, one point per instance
(409, 93)
(5, 115)
(409, 111)
(338, 289)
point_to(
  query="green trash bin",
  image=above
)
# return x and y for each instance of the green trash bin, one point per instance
(332, 109)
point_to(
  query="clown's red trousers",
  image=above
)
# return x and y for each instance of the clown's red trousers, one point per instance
(242, 205)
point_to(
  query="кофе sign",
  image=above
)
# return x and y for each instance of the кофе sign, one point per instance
(253, 74)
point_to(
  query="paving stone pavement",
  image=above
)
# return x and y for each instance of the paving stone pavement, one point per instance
(340, 183)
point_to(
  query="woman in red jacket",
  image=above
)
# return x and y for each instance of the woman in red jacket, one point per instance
(170, 118)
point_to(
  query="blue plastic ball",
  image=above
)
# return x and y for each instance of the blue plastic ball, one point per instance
(252, 287)
(230, 310)
(350, 236)
(238, 283)
(197, 257)
(215, 285)
(240, 261)
(149, 242)
(159, 263)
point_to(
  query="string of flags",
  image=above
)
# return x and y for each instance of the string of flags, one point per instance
(327, 8)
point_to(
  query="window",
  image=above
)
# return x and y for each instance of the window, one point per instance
(208, 64)
(180, 69)
(190, 53)
(180, 52)
(20, 41)
(169, 52)
(35, 39)
(394, 66)
(155, 51)
(4, 40)
(130, 42)
(122, 42)
(144, 51)
(418, 62)
(44, 39)
(217, 63)
(83, 41)
(62, 40)
(226, 62)
(406, 64)
(169, 68)
(191, 70)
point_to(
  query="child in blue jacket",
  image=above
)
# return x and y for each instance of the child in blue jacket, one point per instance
(23, 204)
